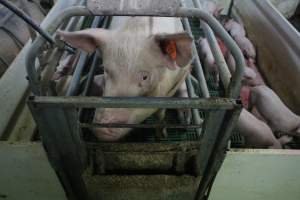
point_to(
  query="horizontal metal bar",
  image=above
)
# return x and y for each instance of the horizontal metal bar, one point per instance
(134, 102)
(117, 125)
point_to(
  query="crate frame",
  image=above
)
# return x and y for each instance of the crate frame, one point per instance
(57, 117)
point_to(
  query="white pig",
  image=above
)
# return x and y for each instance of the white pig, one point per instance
(246, 47)
(144, 57)
(249, 75)
(235, 29)
(212, 8)
(279, 117)
(257, 133)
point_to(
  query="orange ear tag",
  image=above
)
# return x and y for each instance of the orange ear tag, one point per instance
(171, 50)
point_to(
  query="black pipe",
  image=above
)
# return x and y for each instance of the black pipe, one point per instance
(27, 19)
(230, 8)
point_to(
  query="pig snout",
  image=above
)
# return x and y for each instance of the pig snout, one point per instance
(111, 117)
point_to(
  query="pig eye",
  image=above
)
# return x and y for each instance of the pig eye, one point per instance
(143, 78)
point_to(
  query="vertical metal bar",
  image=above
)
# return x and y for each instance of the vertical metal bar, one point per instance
(218, 154)
(195, 112)
(210, 131)
(60, 137)
(219, 58)
(50, 70)
(198, 67)
(95, 61)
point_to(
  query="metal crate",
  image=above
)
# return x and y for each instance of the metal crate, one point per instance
(195, 150)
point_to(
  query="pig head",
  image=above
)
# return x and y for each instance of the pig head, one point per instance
(137, 62)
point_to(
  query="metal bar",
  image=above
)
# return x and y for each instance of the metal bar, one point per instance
(50, 70)
(218, 154)
(91, 74)
(211, 130)
(95, 61)
(134, 102)
(220, 61)
(60, 138)
(195, 113)
(144, 126)
(198, 67)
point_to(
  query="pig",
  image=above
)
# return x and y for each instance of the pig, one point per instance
(65, 66)
(145, 56)
(209, 61)
(278, 116)
(246, 47)
(257, 133)
(258, 80)
(249, 76)
(235, 29)
(212, 8)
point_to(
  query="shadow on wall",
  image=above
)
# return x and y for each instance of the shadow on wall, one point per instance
(14, 32)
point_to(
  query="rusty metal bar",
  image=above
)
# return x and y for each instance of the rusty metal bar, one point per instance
(144, 126)
(134, 102)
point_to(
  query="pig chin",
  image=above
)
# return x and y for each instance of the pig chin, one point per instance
(111, 116)
(110, 134)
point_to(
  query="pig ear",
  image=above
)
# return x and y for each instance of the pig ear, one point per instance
(176, 49)
(87, 40)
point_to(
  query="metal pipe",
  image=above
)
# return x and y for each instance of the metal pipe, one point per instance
(219, 58)
(195, 113)
(91, 74)
(144, 126)
(218, 153)
(95, 61)
(198, 67)
(134, 102)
